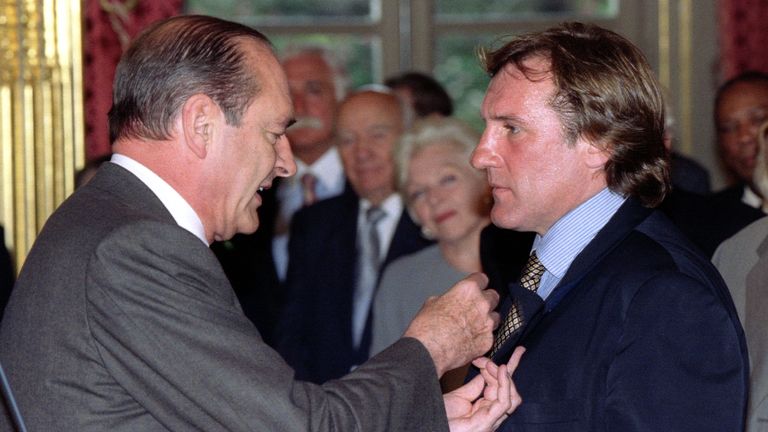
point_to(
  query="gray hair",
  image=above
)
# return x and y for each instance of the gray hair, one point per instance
(337, 66)
(175, 59)
(431, 131)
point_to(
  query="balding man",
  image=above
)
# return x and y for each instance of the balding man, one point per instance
(123, 319)
(325, 330)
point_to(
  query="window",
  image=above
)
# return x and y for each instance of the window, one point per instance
(377, 38)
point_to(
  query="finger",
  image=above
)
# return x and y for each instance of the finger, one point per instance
(471, 390)
(479, 279)
(496, 319)
(498, 422)
(504, 392)
(480, 362)
(473, 284)
(514, 361)
(492, 297)
(500, 402)
(489, 376)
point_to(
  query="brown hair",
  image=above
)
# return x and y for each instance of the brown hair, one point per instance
(173, 60)
(605, 92)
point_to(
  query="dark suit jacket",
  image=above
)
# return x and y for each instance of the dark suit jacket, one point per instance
(503, 253)
(315, 332)
(709, 220)
(640, 335)
(688, 175)
(123, 321)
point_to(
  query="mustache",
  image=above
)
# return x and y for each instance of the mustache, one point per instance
(306, 122)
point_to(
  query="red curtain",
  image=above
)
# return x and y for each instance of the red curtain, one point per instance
(743, 28)
(109, 26)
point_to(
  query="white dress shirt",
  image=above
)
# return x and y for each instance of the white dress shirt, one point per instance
(393, 206)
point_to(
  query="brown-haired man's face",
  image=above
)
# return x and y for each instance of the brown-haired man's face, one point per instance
(536, 177)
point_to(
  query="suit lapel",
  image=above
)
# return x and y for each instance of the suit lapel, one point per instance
(626, 219)
(406, 239)
(629, 215)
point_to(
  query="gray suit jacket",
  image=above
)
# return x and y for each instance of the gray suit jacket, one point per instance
(123, 321)
(743, 262)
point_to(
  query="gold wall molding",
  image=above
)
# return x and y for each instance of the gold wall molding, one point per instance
(676, 65)
(41, 114)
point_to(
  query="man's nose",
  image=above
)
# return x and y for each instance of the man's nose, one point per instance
(285, 165)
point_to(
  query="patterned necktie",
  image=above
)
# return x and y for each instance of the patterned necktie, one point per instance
(308, 185)
(367, 272)
(514, 321)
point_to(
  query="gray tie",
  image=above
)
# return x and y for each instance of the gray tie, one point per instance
(367, 272)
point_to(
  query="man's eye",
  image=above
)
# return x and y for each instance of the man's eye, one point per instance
(345, 140)
(726, 128)
(759, 117)
(447, 179)
(416, 195)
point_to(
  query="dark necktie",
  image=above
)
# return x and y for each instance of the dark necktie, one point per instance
(367, 272)
(514, 320)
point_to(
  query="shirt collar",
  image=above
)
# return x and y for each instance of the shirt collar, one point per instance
(183, 213)
(571, 233)
(326, 169)
(392, 205)
(750, 198)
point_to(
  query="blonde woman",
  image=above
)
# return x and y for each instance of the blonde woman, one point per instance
(450, 200)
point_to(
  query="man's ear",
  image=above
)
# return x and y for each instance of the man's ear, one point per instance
(199, 120)
(596, 154)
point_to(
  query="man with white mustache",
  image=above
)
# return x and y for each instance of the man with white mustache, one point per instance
(317, 83)
(256, 264)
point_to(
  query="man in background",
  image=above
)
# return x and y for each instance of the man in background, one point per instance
(256, 263)
(741, 107)
(340, 246)
(317, 82)
(123, 320)
(422, 92)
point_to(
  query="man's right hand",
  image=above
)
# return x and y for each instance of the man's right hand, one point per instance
(457, 327)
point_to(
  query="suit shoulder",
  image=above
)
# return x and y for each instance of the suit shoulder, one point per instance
(328, 209)
(656, 246)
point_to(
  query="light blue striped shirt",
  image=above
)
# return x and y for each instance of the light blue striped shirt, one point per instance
(571, 234)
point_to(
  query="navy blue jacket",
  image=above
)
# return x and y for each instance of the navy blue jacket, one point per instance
(640, 335)
(315, 330)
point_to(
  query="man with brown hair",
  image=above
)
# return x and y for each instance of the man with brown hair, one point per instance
(627, 326)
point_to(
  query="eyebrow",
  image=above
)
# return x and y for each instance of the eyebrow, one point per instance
(500, 117)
